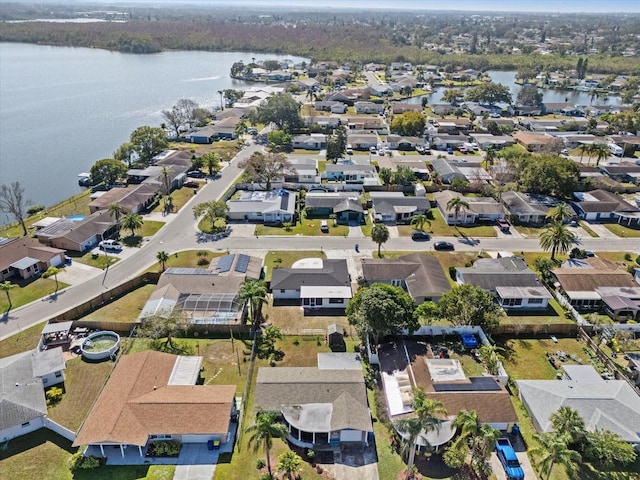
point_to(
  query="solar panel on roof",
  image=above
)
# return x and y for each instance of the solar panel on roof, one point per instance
(243, 263)
(224, 264)
(478, 384)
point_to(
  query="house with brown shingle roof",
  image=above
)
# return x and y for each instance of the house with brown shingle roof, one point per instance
(151, 396)
(24, 257)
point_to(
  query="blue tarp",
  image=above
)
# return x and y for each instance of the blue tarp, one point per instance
(469, 341)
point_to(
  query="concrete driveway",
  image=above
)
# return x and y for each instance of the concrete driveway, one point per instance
(194, 472)
(496, 466)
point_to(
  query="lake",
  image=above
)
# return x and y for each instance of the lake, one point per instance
(64, 108)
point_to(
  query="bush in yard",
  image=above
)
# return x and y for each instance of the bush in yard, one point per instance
(260, 464)
(165, 449)
(54, 395)
(35, 209)
(79, 462)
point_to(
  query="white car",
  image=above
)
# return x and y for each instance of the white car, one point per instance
(110, 245)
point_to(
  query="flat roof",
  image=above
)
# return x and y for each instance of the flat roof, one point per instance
(445, 369)
(325, 292)
(185, 371)
(57, 327)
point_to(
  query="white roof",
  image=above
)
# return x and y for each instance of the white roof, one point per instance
(325, 292)
(185, 371)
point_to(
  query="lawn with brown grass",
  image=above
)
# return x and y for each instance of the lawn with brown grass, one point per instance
(285, 259)
(180, 197)
(125, 309)
(83, 383)
(291, 320)
(26, 339)
(188, 259)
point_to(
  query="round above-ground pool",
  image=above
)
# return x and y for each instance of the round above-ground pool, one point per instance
(100, 345)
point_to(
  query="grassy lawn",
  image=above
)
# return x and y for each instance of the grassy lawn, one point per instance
(100, 262)
(440, 228)
(286, 259)
(226, 149)
(149, 228)
(622, 231)
(28, 291)
(83, 383)
(125, 309)
(180, 197)
(22, 341)
(78, 204)
(43, 455)
(529, 231)
(552, 315)
(585, 227)
(188, 259)
(306, 226)
(290, 320)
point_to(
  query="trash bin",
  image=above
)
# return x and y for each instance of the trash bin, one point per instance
(357, 247)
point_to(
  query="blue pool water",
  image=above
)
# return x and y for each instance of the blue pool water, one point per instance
(76, 218)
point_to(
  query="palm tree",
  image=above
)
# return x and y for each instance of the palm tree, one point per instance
(584, 148)
(52, 272)
(457, 204)
(379, 234)
(253, 292)
(468, 424)
(560, 212)
(568, 421)
(553, 449)
(289, 463)
(482, 445)
(132, 221)
(409, 429)
(600, 151)
(162, 257)
(419, 221)
(491, 355)
(221, 92)
(5, 287)
(264, 430)
(490, 156)
(557, 238)
(115, 211)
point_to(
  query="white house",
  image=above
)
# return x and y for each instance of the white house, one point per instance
(277, 206)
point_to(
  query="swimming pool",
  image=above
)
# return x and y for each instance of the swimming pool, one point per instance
(76, 218)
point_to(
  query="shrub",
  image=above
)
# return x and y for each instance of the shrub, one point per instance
(266, 476)
(79, 462)
(296, 342)
(452, 272)
(32, 210)
(54, 394)
(164, 449)
(627, 257)
(638, 259)
(203, 261)
(260, 464)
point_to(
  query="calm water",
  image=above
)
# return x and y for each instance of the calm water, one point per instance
(61, 109)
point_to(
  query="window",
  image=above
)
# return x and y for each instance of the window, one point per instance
(536, 301)
(335, 300)
(282, 290)
(160, 437)
(318, 301)
(396, 282)
(511, 302)
(45, 381)
(26, 424)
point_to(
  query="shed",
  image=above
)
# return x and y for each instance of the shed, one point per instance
(335, 337)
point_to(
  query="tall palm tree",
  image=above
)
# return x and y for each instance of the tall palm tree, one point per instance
(379, 234)
(221, 93)
(115, 211)
(482, 445)
(560, 212)
(5, 287)
(600, 151)
(419, 221)
(557, 238)
(132, 221)
(52, 272)
(253, 292)
(263, 431)
(468, 424)
(584, 148)
(410, 429)
(568, 421)
(457, 204)
(162, 257)
(553, 449)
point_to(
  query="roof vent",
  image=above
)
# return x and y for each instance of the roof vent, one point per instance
(155, 388)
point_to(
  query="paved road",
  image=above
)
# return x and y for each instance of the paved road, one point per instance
(180, 234)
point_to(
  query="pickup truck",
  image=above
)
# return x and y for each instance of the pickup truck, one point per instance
(509, 460)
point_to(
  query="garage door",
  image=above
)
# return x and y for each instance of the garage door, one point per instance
(350, 436)
(500, 426)
(56, 261)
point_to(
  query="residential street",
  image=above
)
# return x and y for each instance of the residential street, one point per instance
(180, 234)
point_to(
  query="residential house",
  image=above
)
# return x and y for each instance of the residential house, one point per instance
(622, 172)
(394, 207)
(345, 205)
(79, 235)
(513, 283)
(603, 404)
(362, 141)
(401, 83)
(204, 135)
(420, 275)
(314, 141)
(397, 142)
(368, 123)
(453, 126)
(322, 407)
(600, 205)
(331, 106)
(566, 109)
(441, 141)
(324, 121)
(623, 141)
(497, 142)
(368, 107)
(351, 173)
(24, 257)
(533, 142)
(313, 283)
(154, 396)
(481, 209)
(442, 108)
(580, 281)
(449, 170)
(398, 108)
(574, 140)
(23, 378)
(132, 199)
(528, 207)
(303, 170)
(274, 207)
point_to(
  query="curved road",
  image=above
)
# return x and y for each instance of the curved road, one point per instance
(180, 234)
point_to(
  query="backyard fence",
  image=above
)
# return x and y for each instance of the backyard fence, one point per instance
(59, 429)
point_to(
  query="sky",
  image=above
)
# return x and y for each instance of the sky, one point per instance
(574, 6)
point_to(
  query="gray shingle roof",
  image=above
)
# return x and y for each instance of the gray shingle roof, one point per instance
(21, 393)
(334, 273)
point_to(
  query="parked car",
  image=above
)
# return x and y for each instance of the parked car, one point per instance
(450, 151)
(418, 235)
(324, 226)
(191, 184)
(503, 225)
(372, 149)
(195, 174)
(564, 152)
(509, 459)
(443, 246)
(462, 149)
(252, 131)
(110, 245)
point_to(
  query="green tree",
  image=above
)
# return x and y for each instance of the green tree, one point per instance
(410, 430)
(253, 292)
(529, 96)
(148, 142)
(547, 174)
(427, 312)
(132, 221)
(265, 169)
(115, 211)
(599, 151)
(165, 324)
(125, 153)
(557, 238)
(280, 141)
(457, 204)
(491, 355)
(263, 431)
(385, 175)
(212, 161)
(282, 110)
(162, 257)
(13, 202)
(453, 96)
(489, 93)
(289, 463)
(107, 171)
(5, 287)
(419, 221)
(544, 266)
(553, 449)
(608, 448)
(211, 211)
(379, 234)
(560, 212)
(337, 144)
(468, 304)
(585, 148)
(409, 123)
(52, 272)
(380, 309)
(567, 421)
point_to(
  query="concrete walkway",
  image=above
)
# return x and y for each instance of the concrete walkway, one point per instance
(601, 230)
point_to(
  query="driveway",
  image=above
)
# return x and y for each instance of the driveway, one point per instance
(194, 472)
(499, 472)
